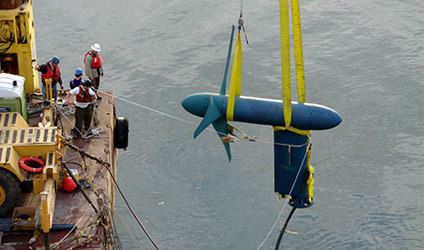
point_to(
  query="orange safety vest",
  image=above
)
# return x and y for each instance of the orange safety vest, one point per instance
(51, 74)
(97, 60)
(83, 96)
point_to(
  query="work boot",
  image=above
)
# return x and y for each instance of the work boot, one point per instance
(75, 133)
(95, 118)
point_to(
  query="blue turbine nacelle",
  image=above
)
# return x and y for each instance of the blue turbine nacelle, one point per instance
(290, 149)
(263, 111)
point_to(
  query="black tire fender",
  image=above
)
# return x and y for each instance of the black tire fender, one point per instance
(121, 133)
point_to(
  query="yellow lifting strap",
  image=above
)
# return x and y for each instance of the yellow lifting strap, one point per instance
(235, 83)
(310, 181)
(285, 60)
(298, 51)
(292, 129)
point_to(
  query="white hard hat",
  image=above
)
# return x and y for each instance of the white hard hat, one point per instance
(96, 47)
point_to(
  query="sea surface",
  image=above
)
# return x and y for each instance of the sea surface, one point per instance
(363, 58)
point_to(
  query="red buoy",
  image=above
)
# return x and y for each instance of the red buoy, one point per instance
(68, 184)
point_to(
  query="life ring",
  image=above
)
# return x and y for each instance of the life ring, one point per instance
(25, 163)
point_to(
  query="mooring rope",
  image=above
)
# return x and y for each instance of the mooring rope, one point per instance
(195, 124)
(112, 177)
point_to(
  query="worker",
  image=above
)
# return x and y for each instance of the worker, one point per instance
(77, 80)
(50, 70)
(93, 65)
(84, 96)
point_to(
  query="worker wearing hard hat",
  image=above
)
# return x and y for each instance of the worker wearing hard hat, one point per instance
(84, 97)
(50, 70)
(77, 80)
(93, 65)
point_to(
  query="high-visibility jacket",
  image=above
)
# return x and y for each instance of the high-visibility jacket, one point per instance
(83, 96)
(96, 62)
(51, 73)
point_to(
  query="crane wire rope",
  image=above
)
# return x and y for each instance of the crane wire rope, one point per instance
(241, 22)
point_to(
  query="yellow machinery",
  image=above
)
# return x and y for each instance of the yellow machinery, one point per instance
(17, 139)
(17, 42)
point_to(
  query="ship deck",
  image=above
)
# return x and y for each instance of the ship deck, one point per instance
(75, 223)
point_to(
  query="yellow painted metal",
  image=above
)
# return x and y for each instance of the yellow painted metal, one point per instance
(21, 24)
(18, 140)
(9, 160)
(2, 195)
(12, 120)
(51, 169)
(292, 129)
(48, 198)
(298, 51)
(49, 113)
(38, 184)
(235, 84)
(49, 93)
(285, 60)
(310, 182)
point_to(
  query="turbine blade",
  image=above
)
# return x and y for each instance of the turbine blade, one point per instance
(212, 114)
(227, 148)
(224, 81)
(221, 128)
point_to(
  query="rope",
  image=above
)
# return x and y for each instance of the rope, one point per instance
(131, 209)
(69, 121)
(264, 140)
(241, 22)
(191, 123)
(148, 108)
(285, 204)
(70, 231)
(118, 216)
(296, 203)
(91, 132)
(107, 166)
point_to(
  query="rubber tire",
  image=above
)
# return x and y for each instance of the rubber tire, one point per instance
(121, 133)
(12, 188)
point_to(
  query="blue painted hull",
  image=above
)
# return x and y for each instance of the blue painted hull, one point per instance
(265, 111)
